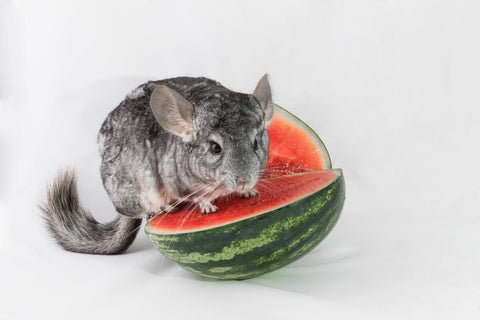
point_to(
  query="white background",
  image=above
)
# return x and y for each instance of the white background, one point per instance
(392, 87)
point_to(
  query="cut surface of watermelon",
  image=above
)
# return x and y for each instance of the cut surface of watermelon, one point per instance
(294, 146)
(274, 193)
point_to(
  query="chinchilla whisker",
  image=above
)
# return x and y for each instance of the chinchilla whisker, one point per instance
(289, 168)
(190, 207)
(265, 183)
(220, 184)
(177, 202)
(195, 192)
(214, 187)
(262, 183)
(206, 195)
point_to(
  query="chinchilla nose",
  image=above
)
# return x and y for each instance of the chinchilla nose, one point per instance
(242, 182)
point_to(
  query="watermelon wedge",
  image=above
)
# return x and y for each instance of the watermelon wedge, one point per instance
(299, 202)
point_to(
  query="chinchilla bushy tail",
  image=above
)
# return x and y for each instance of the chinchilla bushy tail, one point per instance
(75, 229)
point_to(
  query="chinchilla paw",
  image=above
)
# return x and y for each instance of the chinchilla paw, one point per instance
(207, 208)
(248, 193)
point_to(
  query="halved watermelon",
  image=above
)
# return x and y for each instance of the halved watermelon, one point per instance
(299, 202)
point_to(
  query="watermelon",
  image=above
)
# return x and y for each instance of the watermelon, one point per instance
(300, 200)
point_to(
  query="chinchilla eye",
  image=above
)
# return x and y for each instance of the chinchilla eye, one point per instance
(215, 148)
(255, 144)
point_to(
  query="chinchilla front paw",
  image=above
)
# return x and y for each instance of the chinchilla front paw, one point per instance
(248, 193)
(207, 207)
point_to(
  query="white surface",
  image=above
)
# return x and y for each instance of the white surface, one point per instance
(391, 87)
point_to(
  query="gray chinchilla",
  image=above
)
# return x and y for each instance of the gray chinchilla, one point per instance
(174, 140)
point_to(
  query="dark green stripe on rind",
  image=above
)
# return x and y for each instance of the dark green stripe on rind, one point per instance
(261, 244)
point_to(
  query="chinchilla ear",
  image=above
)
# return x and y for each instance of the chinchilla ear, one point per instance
(264, 96)
(173, 112)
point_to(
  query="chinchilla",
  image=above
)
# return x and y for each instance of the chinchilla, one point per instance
(169, 141)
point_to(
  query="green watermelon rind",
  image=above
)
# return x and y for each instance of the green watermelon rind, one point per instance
(259, 244)
(311, 132)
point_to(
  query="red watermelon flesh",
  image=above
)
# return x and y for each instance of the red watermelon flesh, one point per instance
(274, 193)
(294, 147)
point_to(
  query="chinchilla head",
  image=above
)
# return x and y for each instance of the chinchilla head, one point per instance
(224, 132)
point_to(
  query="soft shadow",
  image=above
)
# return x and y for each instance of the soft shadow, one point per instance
(307, 272)
(141, 243)
(195, 277)
(157, 264)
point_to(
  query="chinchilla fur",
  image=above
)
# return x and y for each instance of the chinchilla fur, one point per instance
(169, 141)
